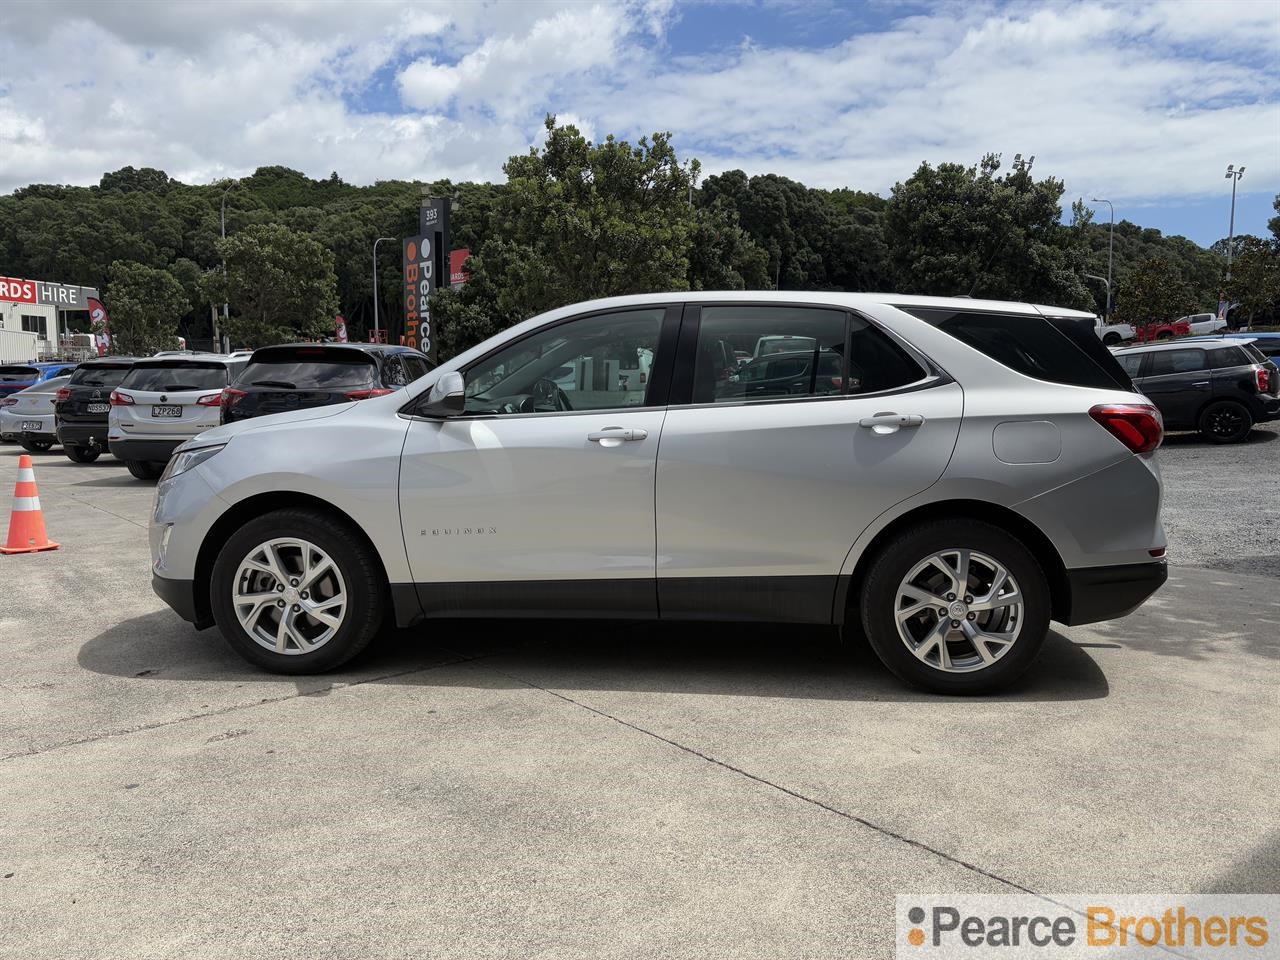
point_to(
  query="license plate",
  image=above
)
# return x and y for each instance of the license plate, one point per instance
(31, 426)
(166, 411)
(98, 408)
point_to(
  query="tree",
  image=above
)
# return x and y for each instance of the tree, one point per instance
(280, 284)
(1153, 292)
(145, 304)
(1274, 223)
(1255, 281)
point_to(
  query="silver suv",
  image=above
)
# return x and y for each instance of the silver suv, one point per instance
(974, 470)
(163, 402)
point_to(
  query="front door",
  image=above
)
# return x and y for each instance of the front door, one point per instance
(539, 500)
(765, 481)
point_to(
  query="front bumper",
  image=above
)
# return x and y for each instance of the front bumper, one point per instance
(180, 595)
(1108, 593)
(159, 451)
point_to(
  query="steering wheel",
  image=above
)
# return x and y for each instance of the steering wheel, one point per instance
(547, 393)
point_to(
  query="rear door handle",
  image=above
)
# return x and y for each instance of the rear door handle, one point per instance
(1201, 385)
(885, 423)
(618, 434)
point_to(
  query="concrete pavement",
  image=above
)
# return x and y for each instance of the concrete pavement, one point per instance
(515, 789)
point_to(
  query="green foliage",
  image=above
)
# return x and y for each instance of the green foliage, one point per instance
(955, 230)
(146, 303)
(1154, 292)
(281, 282)
(1274, 223)
(1255, 281)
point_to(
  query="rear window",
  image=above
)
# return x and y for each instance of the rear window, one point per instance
(1036, 346)
(100, 376)
(18, 374)
(308, 369)
(173, 377)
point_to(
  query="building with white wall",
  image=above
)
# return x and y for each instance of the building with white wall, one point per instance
(36, 307)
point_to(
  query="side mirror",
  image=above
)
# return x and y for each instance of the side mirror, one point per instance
(446, 398)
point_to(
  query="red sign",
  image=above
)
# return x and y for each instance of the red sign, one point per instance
(17, 291)
(340, 329)
(457, 276)
(100, 323)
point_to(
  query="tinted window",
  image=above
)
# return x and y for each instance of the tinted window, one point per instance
(172, 377)
(416, 366)
(1176, 361)
(791, 352)
(100, 376)
(877, 363)
(1030, 345)
(1229, 357)
(592, 363)
(18, 374)
(1131, 363)
(309, 368)
(393, 372)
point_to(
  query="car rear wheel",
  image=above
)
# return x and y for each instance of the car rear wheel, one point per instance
(36, 446)
(83, 454)
(296, 592)
(1225, 421)
(145, 469)
(956, 606)
(1111, 339)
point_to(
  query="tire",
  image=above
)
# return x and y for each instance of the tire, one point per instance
(358, 575)
(82, 454)
(1164, 335)
(36, 446)
(1111, 339)
(1225, 421)
(145, 469)
(963, 672)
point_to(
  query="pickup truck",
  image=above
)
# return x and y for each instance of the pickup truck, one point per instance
(1203, 324)
(1114, 333)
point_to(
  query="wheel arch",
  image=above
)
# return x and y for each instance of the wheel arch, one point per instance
(1046, 554)
(248, 509)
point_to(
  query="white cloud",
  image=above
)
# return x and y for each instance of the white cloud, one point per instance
(1138, 101)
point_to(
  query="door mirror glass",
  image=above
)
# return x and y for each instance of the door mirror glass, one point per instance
(446, 397)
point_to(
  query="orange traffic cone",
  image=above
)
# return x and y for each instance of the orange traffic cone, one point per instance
(26, 523)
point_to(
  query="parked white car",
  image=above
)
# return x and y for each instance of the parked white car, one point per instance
(1112, 334)
(28, 414)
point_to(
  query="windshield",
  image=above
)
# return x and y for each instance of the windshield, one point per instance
(100, 376)
(18, 374)
(172, 377)
(308, 369)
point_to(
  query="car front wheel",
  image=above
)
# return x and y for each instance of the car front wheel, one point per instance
(956, 606)
(297, 591)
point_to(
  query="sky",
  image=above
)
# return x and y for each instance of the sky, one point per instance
(1144, 104)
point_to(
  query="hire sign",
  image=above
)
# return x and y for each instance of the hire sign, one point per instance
(65, 296)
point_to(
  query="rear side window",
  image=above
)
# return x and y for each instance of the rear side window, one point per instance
(1131, 363)
(1164, 362)
(100, 376)
(18, 374)
(173, 377)
(1028, 344)
(308, 368)
(1230, 357)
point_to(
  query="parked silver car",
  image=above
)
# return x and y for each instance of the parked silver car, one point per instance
(163, 402)
(980, 469)
(28, 414)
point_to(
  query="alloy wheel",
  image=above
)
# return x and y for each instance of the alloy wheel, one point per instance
(959, 610)
(289, 596)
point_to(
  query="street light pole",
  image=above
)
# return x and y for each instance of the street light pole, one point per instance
(1111, 237)
(375, 283)
(217, 341)
(1234, 176)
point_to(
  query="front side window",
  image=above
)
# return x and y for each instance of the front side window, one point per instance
(1176, 361)
(592, 363)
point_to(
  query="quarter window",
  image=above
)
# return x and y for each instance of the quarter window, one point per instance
(592, 363)
(1131, 362)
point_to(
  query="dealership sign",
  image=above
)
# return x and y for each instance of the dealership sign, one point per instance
(65, 296)
(419, 274)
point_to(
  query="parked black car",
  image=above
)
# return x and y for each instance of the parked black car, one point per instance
(301, 375)
(1221, 387)
(80, 409)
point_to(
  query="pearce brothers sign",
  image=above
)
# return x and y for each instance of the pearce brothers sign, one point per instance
(426, 268)
(64, 296)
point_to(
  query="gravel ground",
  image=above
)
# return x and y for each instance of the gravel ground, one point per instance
(1221, 507)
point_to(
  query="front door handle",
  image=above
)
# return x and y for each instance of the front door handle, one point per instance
(1201, 385)
(885, 423)
(617, 434)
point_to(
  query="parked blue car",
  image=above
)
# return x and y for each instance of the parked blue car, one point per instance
(19, 376)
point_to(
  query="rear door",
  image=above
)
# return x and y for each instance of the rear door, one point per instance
(760, 498)
(280, 379)
(1178, 381)
(167, 398)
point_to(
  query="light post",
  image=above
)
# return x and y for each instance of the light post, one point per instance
(1111, 236)
(1234, 176)
(223, 223)
(375, 283)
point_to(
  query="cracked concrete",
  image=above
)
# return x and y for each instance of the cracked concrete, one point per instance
(490, 789)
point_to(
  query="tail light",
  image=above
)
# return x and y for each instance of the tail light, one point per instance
(366, 394)
(63, 394)
(119, 399)
(837, 383)
(210, 400)
(230, 397)
(9, 402)
(1263, 376)
(1138, 426)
